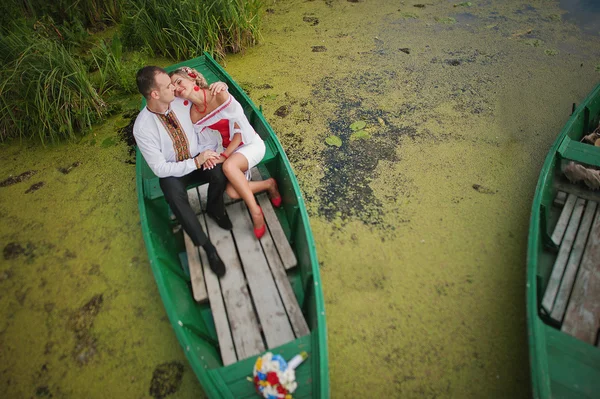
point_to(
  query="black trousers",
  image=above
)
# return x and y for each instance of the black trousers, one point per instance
(175, 191)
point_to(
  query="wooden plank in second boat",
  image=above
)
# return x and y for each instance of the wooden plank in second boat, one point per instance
(563, 220)
(582, 318)
(563, 255)
(566, 285)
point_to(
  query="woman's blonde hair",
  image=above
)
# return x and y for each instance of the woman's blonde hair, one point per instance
(191, 74)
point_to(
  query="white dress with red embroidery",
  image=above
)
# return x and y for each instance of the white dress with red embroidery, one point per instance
(218, 128)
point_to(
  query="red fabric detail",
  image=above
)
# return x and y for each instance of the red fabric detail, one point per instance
(223, 127)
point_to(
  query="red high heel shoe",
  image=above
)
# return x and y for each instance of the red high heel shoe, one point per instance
(277, 200)
(258, 233)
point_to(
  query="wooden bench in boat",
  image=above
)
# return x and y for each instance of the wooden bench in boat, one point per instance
(572, 296)
(253, 306)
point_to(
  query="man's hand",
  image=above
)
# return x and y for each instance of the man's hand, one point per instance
(206, 155)
(217, 87)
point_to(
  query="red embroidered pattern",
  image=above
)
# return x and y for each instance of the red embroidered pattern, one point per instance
(180, 141)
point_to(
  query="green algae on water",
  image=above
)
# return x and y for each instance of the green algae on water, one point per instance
(445, 20)
(551, 52)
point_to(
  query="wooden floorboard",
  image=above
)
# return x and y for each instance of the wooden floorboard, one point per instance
(285, 288)
(195, 267)
(217, 306)
(271, 313)
(563, 220)
(582, 318)
(281, 242)
(242, 319)
(563, 255)
(560, 199)
(566, 285)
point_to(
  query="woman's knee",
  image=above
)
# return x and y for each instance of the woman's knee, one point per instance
(229, 168)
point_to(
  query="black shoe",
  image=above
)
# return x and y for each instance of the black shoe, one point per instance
(222, 220)
(215, 263)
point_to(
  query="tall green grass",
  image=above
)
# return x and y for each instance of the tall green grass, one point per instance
(45, 91)
(114, 70)
(187, 28)
(55, 82)
(89, 13)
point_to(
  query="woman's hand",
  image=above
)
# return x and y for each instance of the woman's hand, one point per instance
(217, 87)
(207, 155)
(212, 162)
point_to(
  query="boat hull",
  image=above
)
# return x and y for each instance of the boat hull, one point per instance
(562, 366)
(191, 321)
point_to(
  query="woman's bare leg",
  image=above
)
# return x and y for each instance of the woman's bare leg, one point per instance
(256, 187)
(234, 168)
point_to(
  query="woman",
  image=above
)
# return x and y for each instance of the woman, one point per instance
(219, 120)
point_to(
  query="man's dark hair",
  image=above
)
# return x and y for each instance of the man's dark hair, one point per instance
(145, 79)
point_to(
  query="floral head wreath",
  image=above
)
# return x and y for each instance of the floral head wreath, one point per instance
(193, 75)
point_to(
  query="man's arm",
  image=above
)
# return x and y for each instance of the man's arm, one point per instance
(150, 148)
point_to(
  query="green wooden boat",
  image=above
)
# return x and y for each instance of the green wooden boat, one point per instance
(194, 322)
(563, 264)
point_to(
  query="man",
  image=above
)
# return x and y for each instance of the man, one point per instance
(165, 136)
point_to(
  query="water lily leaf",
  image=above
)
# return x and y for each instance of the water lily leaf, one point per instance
(358, 125)
(464, 4)
(334, 141)
(360, 135)
(551, 52)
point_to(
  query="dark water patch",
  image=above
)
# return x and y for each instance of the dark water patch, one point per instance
(483, 190)
(405, 50)
(17, 179)
(583, 13)
(66, 170)
(319, 49)
(283, 111)
(125, 134)
(81, 322)
(43, 392)
(465, 18)
(419, 5)
(13, 250)
(166, 379)
(344, 190)
(311, 20)
(35, 187)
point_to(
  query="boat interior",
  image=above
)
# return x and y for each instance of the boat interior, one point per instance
(569, 257)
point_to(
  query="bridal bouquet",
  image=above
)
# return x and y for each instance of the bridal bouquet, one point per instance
(274, 378)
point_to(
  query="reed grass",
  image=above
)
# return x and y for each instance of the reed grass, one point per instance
(54, 82)
(45, 91)
(187, 29)
(114, 70)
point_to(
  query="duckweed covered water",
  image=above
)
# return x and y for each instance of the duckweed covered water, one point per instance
(420, 225)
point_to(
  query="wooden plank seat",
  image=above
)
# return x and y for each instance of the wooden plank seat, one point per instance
(572, 296)
(253, 305)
